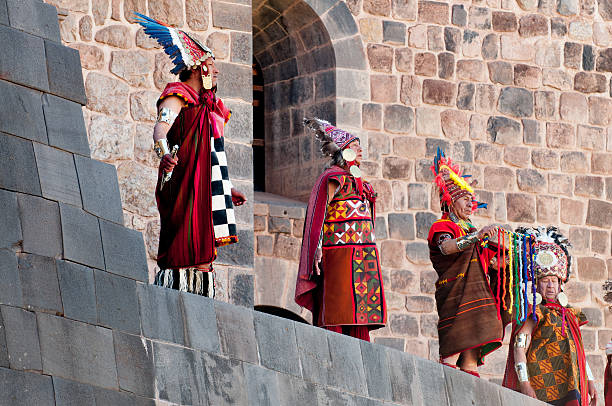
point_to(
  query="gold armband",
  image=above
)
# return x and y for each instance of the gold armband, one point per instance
(161, 147)
(167, 116)
(466, 241)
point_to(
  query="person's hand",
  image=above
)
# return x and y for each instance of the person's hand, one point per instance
(487, 231)
(592, 394)
(168, 163)
(527, 390)
(238, 198)
(318, 257)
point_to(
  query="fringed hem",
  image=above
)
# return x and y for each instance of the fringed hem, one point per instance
(190, 280)
(220, 242)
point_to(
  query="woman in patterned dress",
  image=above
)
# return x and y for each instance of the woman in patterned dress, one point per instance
(339, 277)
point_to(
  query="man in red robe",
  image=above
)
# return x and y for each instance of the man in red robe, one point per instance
(194, 195)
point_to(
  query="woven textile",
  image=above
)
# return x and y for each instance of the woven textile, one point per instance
(224, 220)
(552, 356)
(352, 282)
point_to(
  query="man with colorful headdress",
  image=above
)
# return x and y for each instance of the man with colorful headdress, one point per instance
(339, 278)
(546, 358)
(195, 196)
(469, 325)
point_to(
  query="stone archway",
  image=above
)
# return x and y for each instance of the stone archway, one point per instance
(313, 64)
(310, 54)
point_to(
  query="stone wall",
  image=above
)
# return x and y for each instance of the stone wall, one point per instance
(125, 71)
(518, 91)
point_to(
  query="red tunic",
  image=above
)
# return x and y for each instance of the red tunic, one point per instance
(186, 235)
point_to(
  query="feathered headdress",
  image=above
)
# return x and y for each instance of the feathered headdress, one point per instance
(550, 251)
(451, 183)
(184, 50)
(333, 139)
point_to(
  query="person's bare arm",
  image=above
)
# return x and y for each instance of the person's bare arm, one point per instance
(167, 111)
(521, 344)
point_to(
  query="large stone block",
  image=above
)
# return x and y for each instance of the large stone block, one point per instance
(135, 365)
(34, 17)
(349, 53)
(240, 254)
(39, 283)
(431, 382)
(235, 81)
(58, 177)
(65, 74)
(81, 237)
(10, 283)
(40, 225)
(237, 337)
(117, 302)
(65, 124)
(401, 226)
(21, 338)
(9, 218)
(21, 112)
(262, 386)
(4, 355)
(348, 373)
(78, 291)
(516, 102)
(464, 389)
(404, 384)
(161, 314)
(99, 189)
(277, 343)
(314, 353)
(599, 214)
(200, 323)
(77, 351)
(225, 380)
(69, 393)
(124, 251)
(242, 289)
(240, 126)
(521, 208)
(3, 13)
(26, 68)
(105, 397)
(296, 391)
(340, 22)
(377, 372)
(235, 16)
(25, 389)
(180, 375)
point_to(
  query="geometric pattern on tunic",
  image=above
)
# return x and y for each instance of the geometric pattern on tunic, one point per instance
(366, 286)
(348, 232)
(348, 209)
(551, 357)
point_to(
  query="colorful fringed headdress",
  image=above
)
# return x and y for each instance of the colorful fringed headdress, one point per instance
(550, 251)
(185, 51)
(451, 182)
(333, 139)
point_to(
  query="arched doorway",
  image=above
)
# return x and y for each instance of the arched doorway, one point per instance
(296, 56)
(312, 61)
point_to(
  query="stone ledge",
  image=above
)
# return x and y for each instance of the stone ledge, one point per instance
(312, 365)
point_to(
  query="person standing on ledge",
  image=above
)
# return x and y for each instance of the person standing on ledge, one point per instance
(194, 194)
(339, 278)
(546, 358)
(469, 327)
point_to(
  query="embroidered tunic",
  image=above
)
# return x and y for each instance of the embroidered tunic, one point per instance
(554, 353)
(352, 283)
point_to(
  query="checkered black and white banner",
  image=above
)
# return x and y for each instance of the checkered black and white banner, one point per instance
(224, 220)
